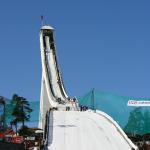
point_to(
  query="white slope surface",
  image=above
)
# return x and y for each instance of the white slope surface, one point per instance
(83, 131)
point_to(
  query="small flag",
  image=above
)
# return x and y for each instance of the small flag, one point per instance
(42, 17)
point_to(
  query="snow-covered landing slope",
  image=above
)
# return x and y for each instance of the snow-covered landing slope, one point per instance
(84, 131)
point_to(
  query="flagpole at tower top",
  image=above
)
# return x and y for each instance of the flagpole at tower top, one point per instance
(42, 20)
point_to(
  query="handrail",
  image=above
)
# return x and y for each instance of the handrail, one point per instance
(46, 129)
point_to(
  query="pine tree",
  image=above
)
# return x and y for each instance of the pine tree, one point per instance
(21, 111)
(135, 123)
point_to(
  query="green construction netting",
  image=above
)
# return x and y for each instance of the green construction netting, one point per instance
(134, 120)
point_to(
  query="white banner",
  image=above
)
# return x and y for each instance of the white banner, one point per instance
(138, 103)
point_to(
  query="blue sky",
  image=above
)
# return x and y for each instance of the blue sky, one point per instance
(103, 44)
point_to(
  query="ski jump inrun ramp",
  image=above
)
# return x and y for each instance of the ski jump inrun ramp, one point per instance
(72, 130)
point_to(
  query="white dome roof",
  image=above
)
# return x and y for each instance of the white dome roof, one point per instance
(47, 27)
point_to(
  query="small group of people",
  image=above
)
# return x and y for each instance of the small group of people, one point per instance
(72, 100)
(67, 108)
(83, 108)
(71, 104)
(60, 101)
(53, 108)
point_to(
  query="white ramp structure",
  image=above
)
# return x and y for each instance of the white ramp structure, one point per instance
(72, 130)
(87, 130)
(52, 88)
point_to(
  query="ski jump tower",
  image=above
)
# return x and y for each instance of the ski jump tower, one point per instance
(53, 95)
(52, 89)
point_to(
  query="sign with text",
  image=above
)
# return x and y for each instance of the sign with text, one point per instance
(17, 139)
(138, 103)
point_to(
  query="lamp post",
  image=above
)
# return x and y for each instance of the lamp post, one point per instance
(93, 100)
